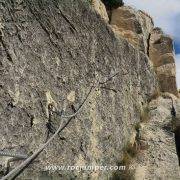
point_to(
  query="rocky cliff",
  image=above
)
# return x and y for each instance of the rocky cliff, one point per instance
(52, 53)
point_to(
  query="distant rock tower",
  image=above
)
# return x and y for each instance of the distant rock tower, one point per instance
(161, 53)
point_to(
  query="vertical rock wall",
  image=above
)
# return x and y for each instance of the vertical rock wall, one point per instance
(161, 53)
(137, 28)
(157, 138)
(53, 52)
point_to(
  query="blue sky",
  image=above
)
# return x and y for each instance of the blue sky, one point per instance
(166, 14)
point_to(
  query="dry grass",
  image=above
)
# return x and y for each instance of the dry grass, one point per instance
(129, 153)
(137, 126)
(155, 95)
(144, 115)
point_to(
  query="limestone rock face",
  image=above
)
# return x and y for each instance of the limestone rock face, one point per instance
(161, 53)
(135, 26)
(100, 8)
(56, 53)
(159, 160)
(53, 53)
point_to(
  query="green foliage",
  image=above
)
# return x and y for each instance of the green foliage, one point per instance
(110, 4)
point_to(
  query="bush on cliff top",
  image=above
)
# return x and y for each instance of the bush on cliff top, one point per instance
(111, 4)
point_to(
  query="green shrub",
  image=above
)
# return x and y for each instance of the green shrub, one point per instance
(111, 4)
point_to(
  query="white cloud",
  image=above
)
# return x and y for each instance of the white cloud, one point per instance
(178, 69)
